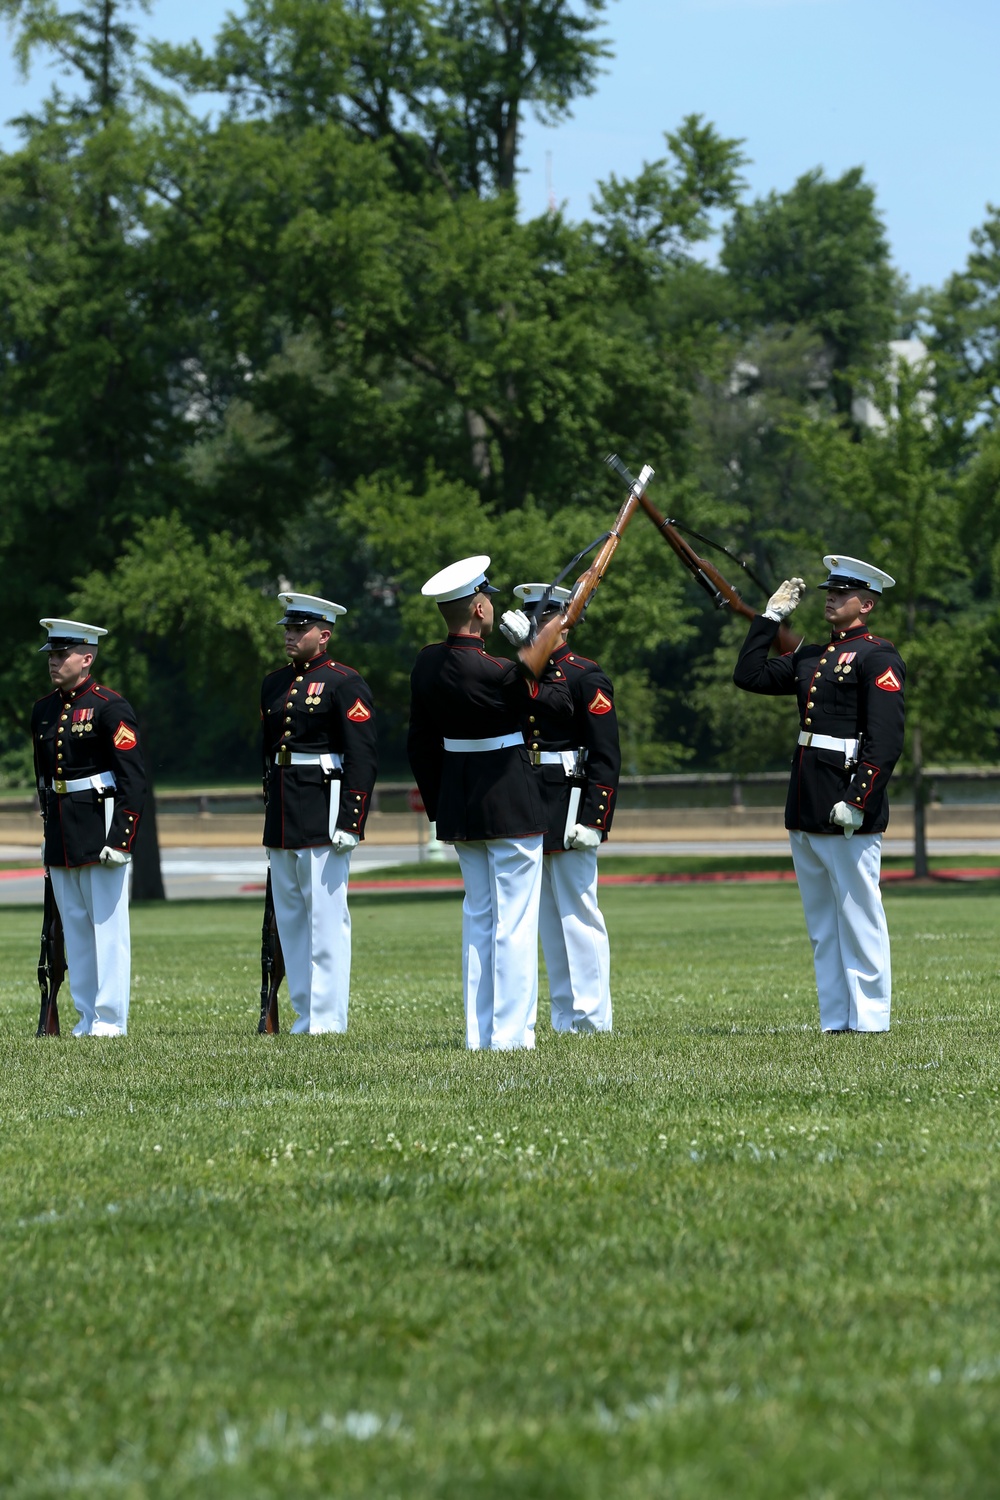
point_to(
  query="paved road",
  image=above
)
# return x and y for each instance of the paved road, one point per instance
(195, 873)
(199, 872)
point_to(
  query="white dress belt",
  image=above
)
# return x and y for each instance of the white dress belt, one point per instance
(475, 747)
(103, 781)
(829, 742)
(330, 761)
(570, 760)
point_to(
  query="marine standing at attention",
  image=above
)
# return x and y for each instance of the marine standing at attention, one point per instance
(92, 789)
(850, 695)
(320, 762)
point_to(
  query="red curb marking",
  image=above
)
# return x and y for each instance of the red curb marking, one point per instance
(710, 877)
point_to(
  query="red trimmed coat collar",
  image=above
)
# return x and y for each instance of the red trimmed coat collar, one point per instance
(857, 634)
(81, 687)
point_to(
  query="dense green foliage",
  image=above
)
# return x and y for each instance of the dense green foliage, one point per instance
(715, 1253)
(313, 330)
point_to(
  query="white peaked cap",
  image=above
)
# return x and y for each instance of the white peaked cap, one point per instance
(851, 572)
(64, 633)
(532, 592)
(459, 579)
(303, 609)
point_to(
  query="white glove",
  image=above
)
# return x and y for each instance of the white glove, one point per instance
(784, 599)
(109, 856)
(343, 842)
(582, 837)
(846, 817)
(516, 626)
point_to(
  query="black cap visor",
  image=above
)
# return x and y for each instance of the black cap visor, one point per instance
(845, 585)
(66, 643)
(301, 620)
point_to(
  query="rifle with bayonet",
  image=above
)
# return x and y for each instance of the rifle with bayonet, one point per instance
(51, 963)
(722, 593)
(272, 966)
(535, 653)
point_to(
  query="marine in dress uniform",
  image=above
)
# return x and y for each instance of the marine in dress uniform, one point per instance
(468, 757)
(92, 788)
(320, 763)
(577, 763)
(850, 695)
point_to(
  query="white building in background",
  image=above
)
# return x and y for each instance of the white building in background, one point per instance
(909, 352)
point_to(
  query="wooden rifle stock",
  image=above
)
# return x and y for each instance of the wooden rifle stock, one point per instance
(720, 591)
(51, 963)
(272, 966)
(534, 655)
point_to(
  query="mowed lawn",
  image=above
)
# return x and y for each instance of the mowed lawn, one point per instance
(716, 1254)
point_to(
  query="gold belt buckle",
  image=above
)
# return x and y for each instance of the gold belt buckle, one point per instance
(536, 757)
(284, 757)
(808, 740)
(60, 787)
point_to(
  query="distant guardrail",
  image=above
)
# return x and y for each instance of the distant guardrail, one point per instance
(669, 789)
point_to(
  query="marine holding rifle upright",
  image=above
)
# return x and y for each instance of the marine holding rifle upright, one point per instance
(320, 763)
(850, 695)
(92, 788)
(577, 762)
(468, 758)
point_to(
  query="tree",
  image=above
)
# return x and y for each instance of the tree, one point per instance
(965, 339)
(88, 426)
(817, 256)
(441, 86)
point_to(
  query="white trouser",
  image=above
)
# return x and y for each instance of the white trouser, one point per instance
(309, 887)
(93, 905)
(845, 919)
(575, 942)
(503, 881)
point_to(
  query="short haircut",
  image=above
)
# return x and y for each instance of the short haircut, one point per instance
(457, 612)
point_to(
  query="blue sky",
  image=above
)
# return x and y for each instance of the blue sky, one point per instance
(907, 89)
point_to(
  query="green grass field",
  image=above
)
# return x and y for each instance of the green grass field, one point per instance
(716, 1254)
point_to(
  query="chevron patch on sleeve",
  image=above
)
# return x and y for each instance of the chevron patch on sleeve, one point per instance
(889, 682)
(358, 713)
(600, 703)
(124, 737)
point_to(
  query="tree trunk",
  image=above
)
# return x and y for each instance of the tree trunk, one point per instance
(920, 867)
(147, 879)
